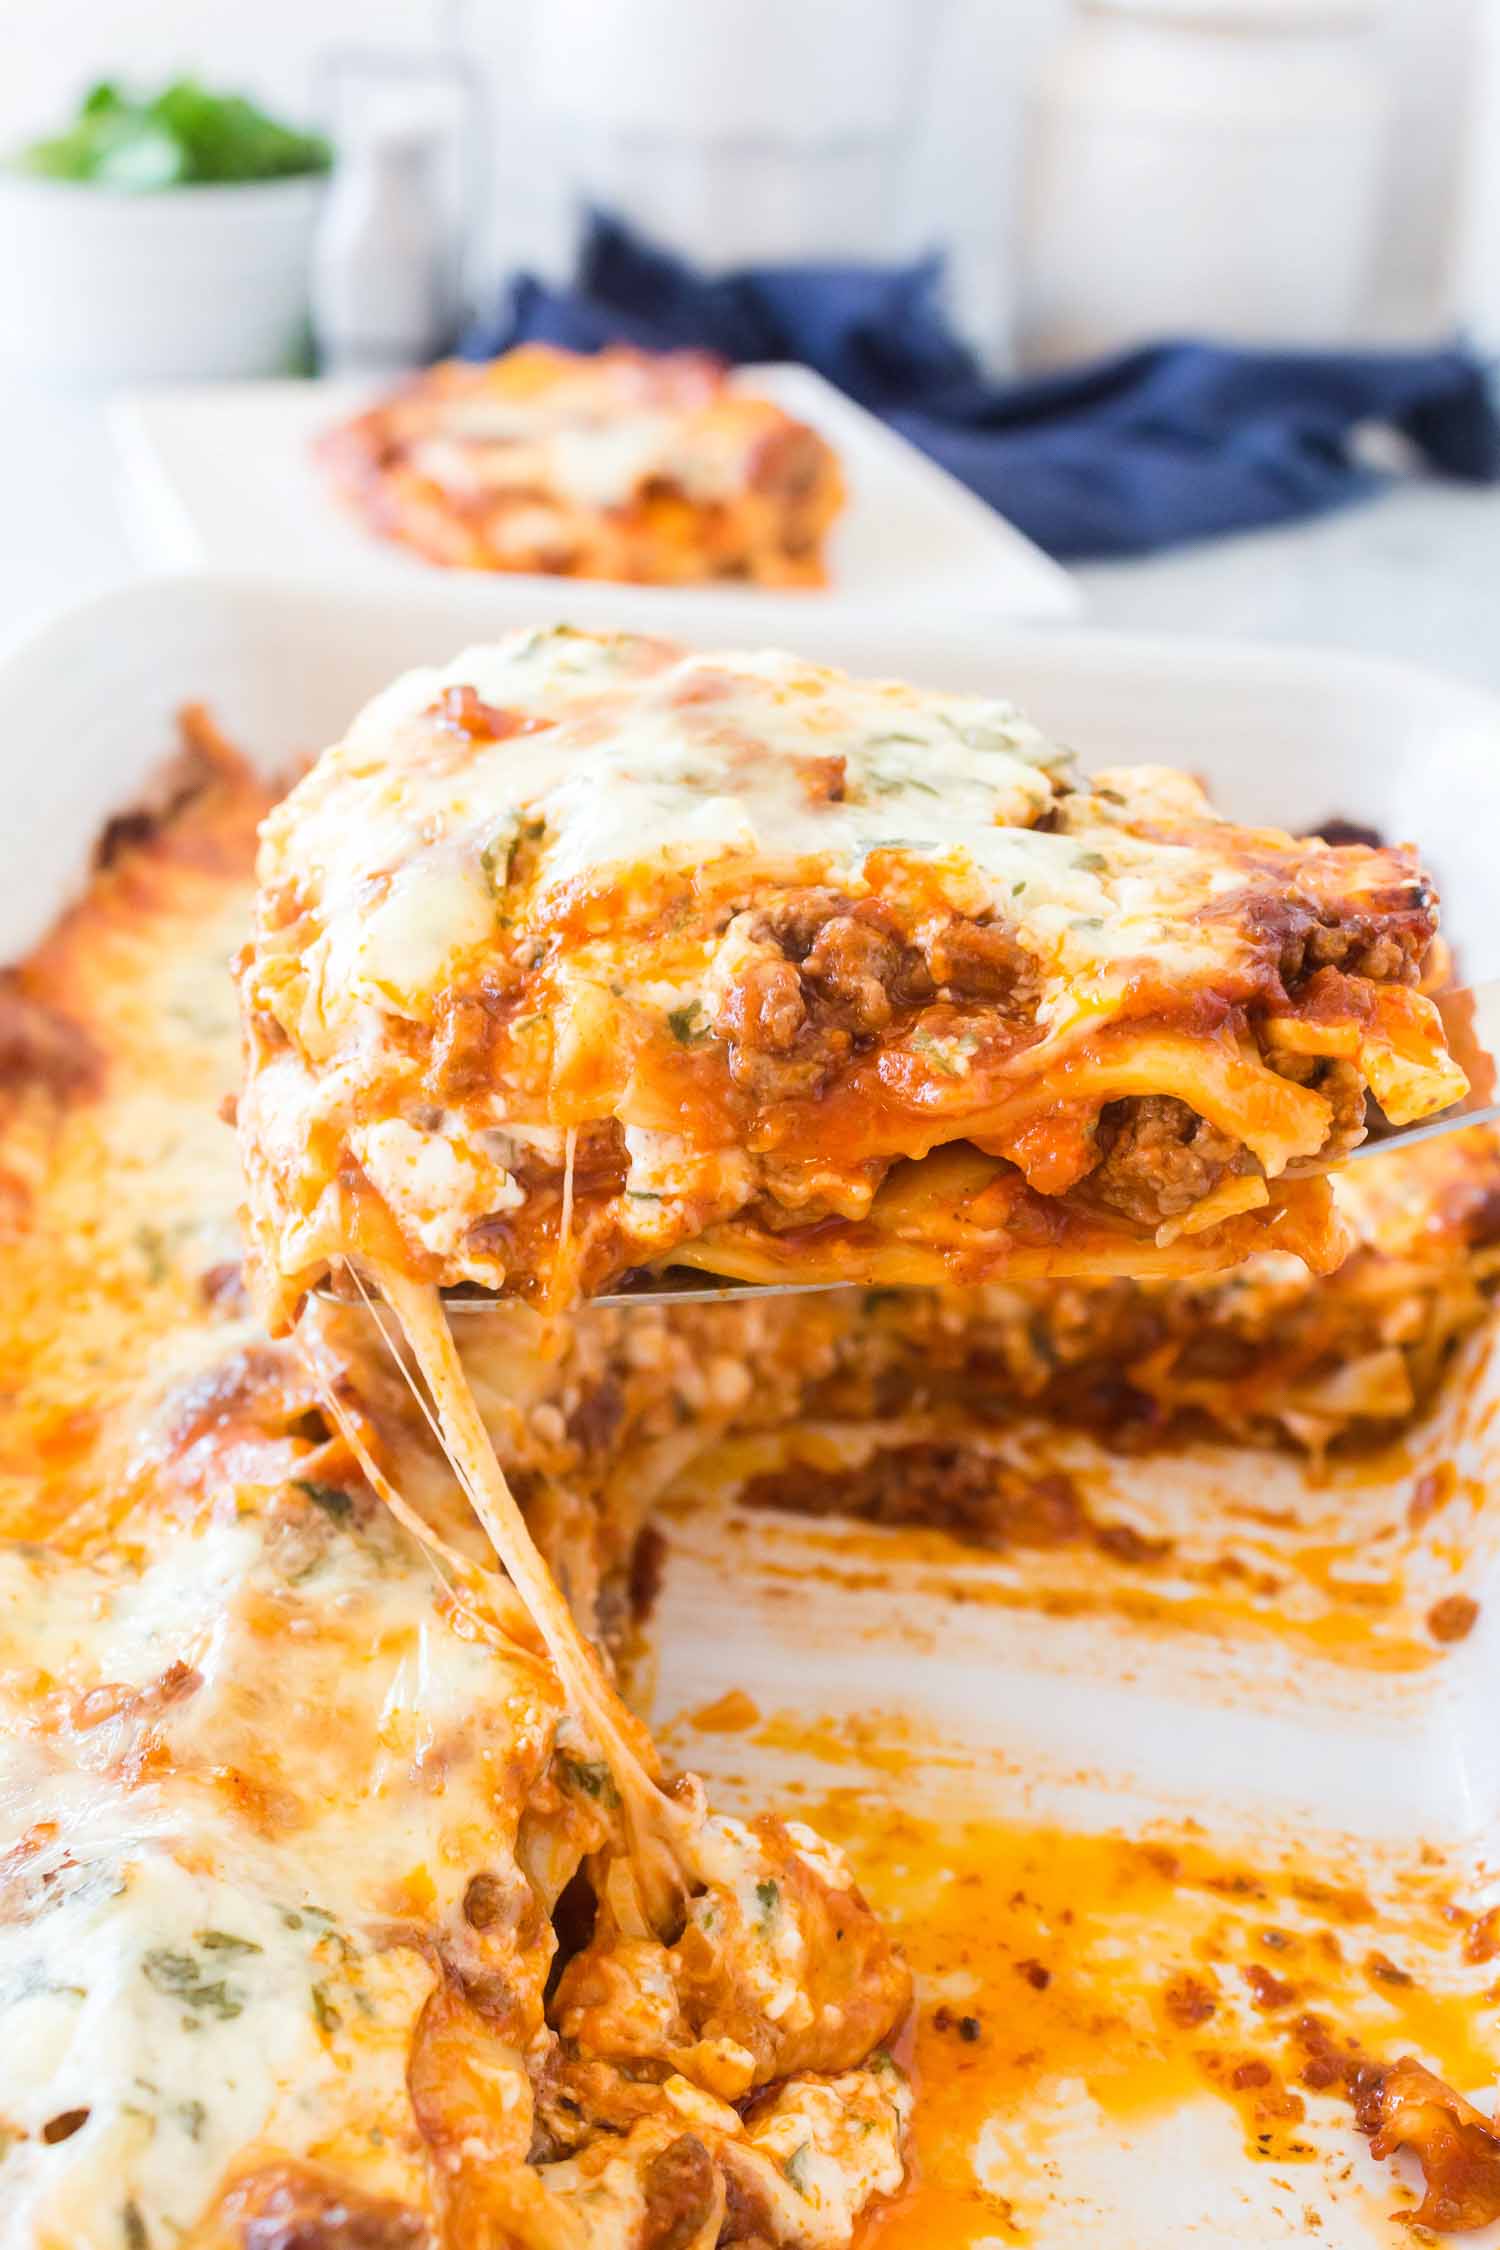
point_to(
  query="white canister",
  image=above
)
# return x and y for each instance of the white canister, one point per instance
(1478, 275)
(1205, 167)
(735, 131)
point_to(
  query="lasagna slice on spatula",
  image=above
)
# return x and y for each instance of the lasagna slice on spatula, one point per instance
(585, 954)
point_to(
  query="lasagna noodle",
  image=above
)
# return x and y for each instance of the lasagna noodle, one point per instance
(1266, 1354)
(1269, 1353)
(622, 465)
(930, 1227)
(584, 954)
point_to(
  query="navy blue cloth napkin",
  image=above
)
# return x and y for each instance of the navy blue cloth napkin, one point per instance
(1172, 442)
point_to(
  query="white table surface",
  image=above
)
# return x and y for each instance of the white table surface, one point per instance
(1413, 574)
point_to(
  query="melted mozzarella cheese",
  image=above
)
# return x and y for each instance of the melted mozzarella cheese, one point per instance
(578, 439)
(674, 764)
(252, 1747)
(191, 1962)
(238, 1741)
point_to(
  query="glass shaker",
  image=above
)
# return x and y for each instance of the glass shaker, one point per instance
(383, 265)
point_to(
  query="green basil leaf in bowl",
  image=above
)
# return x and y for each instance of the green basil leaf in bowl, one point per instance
(184, 136)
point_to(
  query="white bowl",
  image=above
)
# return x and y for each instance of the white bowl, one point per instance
(100, 286)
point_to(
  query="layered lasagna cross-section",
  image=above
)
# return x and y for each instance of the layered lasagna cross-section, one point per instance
(657, 468)
(586, 954)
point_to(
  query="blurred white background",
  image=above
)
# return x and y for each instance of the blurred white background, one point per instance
(982, 72)
(1414, 576)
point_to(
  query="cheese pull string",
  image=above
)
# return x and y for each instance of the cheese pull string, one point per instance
(658, 1828)
(465, 1582)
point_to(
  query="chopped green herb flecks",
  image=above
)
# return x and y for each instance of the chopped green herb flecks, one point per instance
(335, 1503)
(326, 2014)
(868, 846)
(498, 858)
(891, 781)
(152, 1244)
(797, 2167)
(768, 1898)
(133, 2226)
(594, 1778)
(184, 1977)
(224, 1941)
(948, 1055)
(688, 1026)
(192, 2116)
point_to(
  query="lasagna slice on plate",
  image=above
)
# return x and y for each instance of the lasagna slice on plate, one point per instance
(625, 465)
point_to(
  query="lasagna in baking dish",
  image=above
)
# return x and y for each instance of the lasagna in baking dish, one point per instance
(1265, 1353)
(585, 954)
(334, 1913)
(623, 465)
(326, 1923)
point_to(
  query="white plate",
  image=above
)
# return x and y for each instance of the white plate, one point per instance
(1093, 1720)
(220, 476)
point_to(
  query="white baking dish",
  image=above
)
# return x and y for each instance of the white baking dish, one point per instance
(1092, 1719)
